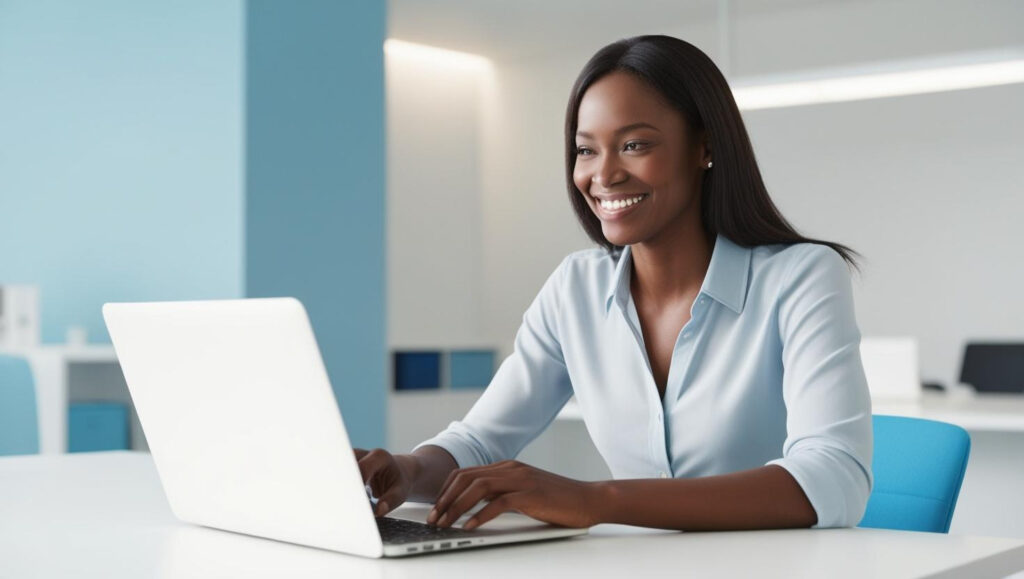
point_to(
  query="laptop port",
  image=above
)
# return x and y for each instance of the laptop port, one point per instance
(411, 549)
(463, 543)
(428, 547)
(446, 545)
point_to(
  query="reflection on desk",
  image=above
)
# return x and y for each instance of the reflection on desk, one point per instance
(66, 515)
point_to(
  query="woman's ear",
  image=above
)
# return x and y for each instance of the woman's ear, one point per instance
(705, 152)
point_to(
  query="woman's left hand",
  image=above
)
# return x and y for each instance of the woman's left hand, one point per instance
(513, 486)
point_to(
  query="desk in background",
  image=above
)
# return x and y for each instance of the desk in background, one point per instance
(67, 374)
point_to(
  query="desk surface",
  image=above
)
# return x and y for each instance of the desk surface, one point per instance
(105, 515)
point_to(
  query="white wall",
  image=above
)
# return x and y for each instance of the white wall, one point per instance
(434, 183)
(433, 232)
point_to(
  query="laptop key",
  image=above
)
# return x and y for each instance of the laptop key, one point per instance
(398, 531)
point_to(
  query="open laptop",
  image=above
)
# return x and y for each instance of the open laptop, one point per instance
(246, 435)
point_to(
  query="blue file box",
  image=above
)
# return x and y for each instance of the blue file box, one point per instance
(417, 370)
(94, 426)
(471, 368)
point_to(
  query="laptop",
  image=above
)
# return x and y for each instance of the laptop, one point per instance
(246, 435)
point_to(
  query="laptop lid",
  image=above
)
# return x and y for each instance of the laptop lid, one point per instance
(241, 420)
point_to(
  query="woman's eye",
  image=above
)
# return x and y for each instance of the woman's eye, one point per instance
(634, 146)
(582, 151)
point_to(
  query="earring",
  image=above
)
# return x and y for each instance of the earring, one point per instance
(709, 164)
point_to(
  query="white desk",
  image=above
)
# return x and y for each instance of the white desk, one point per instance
(105, 515)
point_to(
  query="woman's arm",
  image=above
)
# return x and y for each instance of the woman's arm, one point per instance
(526, 392)
(766, 497)
(428, 467)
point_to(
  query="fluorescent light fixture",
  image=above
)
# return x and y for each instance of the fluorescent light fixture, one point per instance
(939, 74)
(434, 55)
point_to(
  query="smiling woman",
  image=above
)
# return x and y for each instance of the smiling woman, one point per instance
(712, 349)
(680, 108)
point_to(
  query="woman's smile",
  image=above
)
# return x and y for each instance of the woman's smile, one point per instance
(620, 207)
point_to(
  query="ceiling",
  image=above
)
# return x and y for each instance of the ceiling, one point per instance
(513, 29)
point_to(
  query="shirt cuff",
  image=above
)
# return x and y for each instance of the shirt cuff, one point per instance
(834, 483)
(464, 447)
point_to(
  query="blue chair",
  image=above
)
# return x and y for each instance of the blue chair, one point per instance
(19, 428)
(918, 466)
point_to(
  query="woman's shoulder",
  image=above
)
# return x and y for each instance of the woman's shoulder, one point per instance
(592, 268)
(594, 260)
(785, 264)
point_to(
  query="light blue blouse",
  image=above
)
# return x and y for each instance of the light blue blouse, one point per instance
(767, 371)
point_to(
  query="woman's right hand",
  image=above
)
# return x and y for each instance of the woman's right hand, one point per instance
(389, 476)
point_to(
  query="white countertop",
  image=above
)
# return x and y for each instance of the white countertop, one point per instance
(105, 515)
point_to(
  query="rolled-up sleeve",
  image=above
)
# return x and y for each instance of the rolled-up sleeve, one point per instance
(829, 441)
(525, 394)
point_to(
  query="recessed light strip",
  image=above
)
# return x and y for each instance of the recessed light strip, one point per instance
(753, 95)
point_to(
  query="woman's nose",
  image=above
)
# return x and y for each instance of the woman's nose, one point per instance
(608, 173)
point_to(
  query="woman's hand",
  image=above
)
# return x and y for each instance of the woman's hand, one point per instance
(390, 477)
(511, 485)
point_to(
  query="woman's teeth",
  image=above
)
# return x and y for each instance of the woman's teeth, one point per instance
(619, 204)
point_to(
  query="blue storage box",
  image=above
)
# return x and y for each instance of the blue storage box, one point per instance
(94, 426)
(417, 370)
(471, 368)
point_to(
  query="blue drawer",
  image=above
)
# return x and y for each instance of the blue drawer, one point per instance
(471, 368)
(417, 370)
(96, 426)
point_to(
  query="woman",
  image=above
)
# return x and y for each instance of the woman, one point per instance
(713, 351)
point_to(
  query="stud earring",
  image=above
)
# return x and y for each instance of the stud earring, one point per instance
(709, 164)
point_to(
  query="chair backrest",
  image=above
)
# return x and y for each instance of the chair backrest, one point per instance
(918, 466)
(994, 367)
(19, 427)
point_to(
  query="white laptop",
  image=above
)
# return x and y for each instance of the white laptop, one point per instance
(246, 435)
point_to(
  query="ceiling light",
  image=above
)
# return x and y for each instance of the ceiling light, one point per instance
(881, 80)
(433, 55)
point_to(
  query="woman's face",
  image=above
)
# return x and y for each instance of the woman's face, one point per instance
(634, 165)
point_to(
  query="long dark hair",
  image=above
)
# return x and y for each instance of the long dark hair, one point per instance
(734, 201)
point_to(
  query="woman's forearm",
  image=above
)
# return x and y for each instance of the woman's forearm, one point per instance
(767, 497)
(427, 468)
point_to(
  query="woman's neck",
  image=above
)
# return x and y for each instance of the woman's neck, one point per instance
(672, 267)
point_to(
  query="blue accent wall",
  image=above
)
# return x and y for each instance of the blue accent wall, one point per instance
(120, 153)
(315, 185)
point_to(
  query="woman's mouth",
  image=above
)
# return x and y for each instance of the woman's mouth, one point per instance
(620, 207)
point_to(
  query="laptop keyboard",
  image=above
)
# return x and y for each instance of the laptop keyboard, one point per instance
(399, 531)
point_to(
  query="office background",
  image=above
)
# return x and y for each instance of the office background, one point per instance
(415, 199)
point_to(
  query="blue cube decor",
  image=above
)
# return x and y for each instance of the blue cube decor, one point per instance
(471, 368)
(94, 426)
(417, 370)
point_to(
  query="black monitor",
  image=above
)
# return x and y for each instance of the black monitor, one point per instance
(994, 367)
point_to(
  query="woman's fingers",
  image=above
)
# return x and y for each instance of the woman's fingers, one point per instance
(372, 467)
(504, 503)
(466, 475)
(389, 501)
(463, 497)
